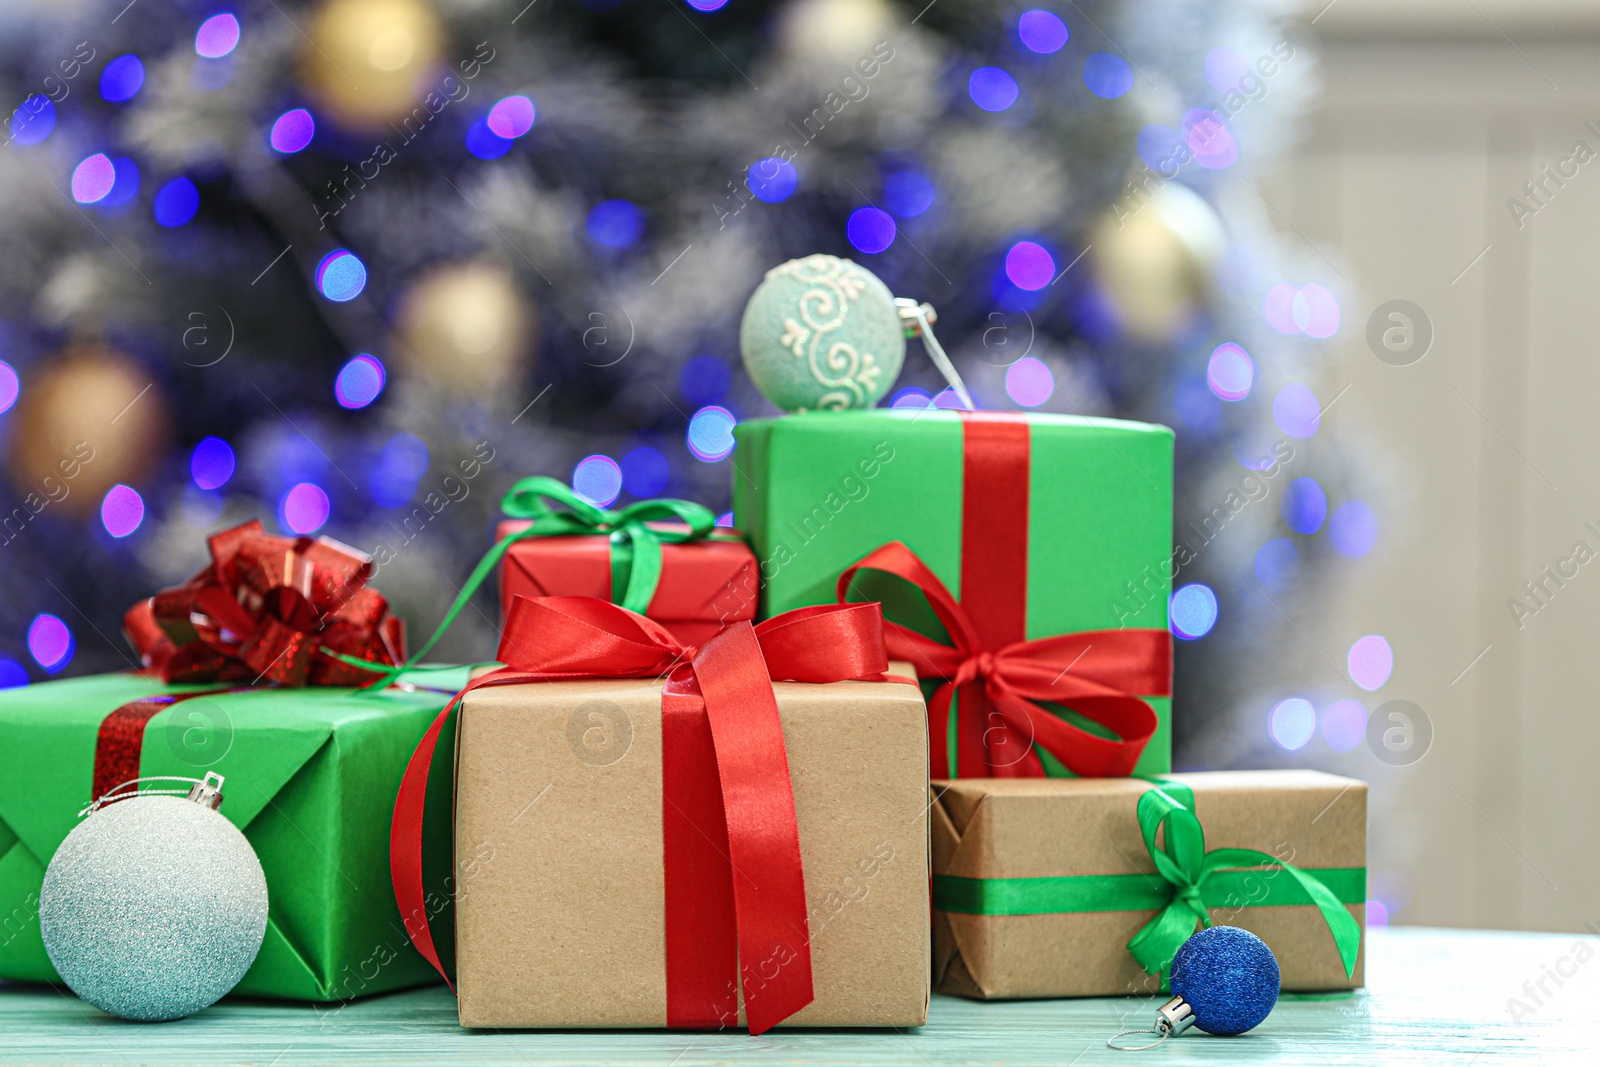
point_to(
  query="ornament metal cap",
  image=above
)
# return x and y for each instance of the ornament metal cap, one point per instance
(209, 791)
(1172, 1019)
(206, 792)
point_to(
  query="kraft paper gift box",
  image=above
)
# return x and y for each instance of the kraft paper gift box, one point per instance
(705, 577)
(1039, 525)
(594, 873)
(1040, 884)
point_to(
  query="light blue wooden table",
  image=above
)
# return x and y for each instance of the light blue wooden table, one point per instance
(1436, 996)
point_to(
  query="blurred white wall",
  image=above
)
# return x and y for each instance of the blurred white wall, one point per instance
(1487, 450)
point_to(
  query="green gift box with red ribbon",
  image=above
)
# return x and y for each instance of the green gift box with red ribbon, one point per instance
(1030, 579)
(249, 670)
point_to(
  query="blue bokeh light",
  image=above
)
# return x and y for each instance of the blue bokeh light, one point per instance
(704, 380)
(122, 79)
(870, 229)
(710, 434)
(907, 192)
(484, 143)
(401, 464)
(597, 479)
(341, 276)
(645, 472)
(292, 131)
(124, 185)
(1042, 31)
(33, 120)
(1230, 372)
(992, 88)
(1277, 563)
(772, 180)
(1292, 722)
(212, 463)
(359, 382)
(1296, 410)
(12, 674)
(1305, 505)
(1193, 611)
(1353, 528)
(1107, 75)
(50, 642)
(176, 202)
(615, 223)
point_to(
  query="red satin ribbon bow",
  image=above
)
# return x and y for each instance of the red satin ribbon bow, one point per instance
(727, 798)
(1095, 673)
(263, 610)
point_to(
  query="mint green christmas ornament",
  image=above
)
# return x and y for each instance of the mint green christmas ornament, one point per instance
(822, 333)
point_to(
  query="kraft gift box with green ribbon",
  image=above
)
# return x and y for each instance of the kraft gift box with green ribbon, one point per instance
(311, 776)
(1088, 887)
(1018, 528)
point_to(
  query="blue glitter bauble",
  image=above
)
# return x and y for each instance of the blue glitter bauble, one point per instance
(153, 908)
(1229, 977)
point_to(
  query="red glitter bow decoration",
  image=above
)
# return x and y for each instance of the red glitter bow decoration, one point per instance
(269, 609)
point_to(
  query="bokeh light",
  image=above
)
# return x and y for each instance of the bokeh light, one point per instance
(1315, 311)
(1229, 371)
(1304, 506)
(341, 276)
(1278, 308)
(597, 479)
(992, 88)
(1195, 405)
(1377, 913)
(1344, 725)
(725, 519)
(1296, 410)
(212, 463)
(707, 5)
(644, 471)
(1192, 611)
(1370, 662)
(176, 202)
(947, 400)
(1277, 563)
(711, 434)
(124, 185)
(293, 131)
(870, 229)
(92, 179)
(772, 180)
(49, 642)
(1292, 723)
(1353, 528)
(511, 117)
(1029, 265)
(1042, 31)
(401, 465)
(484, 142)
(911, 397)
(122, 510)
(704, 380)
(303, 509)
(1224, 69)
(10, 386)
(217, 36)
(359, 382)
(1107, 75)
(1029, 382)
(1160, 147)
(33, 120)
(1209, 139)
(12, 674)
(615, 223)
(121, 79)
(907, 192)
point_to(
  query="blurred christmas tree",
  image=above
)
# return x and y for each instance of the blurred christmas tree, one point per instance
(355, 265)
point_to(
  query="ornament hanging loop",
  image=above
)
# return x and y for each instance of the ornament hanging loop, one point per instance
(918, 320)
(207, 791)
(1172, 1019)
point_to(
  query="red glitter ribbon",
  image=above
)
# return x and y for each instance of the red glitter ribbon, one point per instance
(727, 797)
(264, 610)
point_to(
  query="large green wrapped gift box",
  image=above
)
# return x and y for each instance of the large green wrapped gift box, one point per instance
(311, 776)
(1039, 525)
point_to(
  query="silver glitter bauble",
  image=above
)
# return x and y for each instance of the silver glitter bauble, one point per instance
(153, 908)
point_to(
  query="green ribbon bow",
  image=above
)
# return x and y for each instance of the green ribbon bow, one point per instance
(634, 544)
(1183, 861)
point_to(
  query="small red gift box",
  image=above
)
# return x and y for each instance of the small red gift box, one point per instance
(704, 586)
